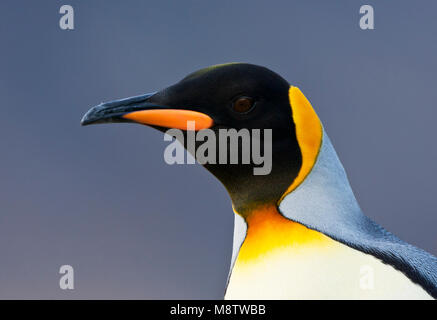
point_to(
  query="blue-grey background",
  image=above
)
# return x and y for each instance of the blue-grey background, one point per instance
(102, 199)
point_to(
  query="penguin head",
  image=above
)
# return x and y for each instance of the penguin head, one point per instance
(231, 97)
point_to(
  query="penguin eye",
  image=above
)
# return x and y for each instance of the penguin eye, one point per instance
(242, 104)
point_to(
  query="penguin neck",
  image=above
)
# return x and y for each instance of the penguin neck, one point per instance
(295, 218)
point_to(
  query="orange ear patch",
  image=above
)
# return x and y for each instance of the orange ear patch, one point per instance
(308, 133)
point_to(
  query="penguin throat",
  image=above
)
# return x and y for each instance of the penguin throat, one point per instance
(248, 191)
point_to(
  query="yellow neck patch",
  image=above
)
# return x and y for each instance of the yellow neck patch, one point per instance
(268, 230)
(308, 133)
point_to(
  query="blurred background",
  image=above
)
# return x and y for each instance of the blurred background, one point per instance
(102, 199)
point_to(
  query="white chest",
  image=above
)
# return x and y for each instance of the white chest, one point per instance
(275, 258)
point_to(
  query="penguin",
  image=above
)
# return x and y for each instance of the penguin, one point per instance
(299, 232)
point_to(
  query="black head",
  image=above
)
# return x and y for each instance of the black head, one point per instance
(230, 96)
(235, 95)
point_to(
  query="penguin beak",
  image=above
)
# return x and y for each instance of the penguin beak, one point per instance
(140, 109)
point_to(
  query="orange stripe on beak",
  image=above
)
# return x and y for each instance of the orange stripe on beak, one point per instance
(171, 118)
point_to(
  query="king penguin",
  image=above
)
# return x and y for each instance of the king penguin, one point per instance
(299, 232)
